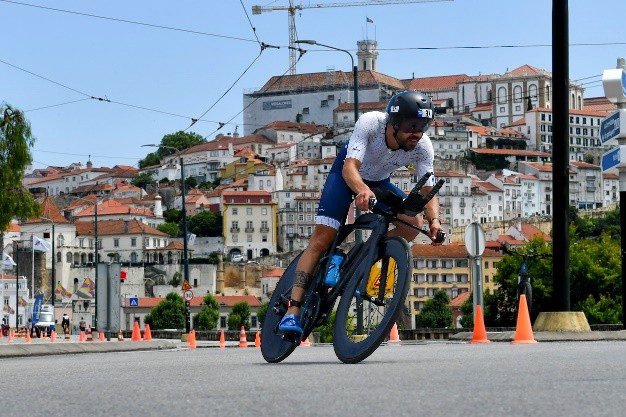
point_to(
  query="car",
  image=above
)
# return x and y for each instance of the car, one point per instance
(46, 319)
(237, 258)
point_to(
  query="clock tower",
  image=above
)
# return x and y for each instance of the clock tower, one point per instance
(367, 55)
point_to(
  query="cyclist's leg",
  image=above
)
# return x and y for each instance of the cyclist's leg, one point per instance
(332, 211)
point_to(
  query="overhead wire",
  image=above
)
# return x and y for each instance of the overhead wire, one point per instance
(134, 22)
(57, 105)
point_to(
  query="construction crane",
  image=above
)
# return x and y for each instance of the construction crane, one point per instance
(291, 14)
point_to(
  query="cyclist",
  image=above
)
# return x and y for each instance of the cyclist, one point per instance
(380, 143)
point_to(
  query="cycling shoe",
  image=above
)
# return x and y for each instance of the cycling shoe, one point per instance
(290, 323)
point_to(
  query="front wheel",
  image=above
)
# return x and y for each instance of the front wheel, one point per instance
(379, 316)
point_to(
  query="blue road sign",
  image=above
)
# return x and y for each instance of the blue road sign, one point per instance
(134, 302)
(611, 159)
(610, 127)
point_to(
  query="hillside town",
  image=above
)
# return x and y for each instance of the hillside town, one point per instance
(254, 195)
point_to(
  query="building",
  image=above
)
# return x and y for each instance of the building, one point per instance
(450, 141)
(115, 210)
(269, 280)
(610, 189)
(9, 301)
(343, 114)
(290, 132)
(249, 223)
(455, 199)
(488, 202)
(440, 88)
(590, 185)
(512, 186)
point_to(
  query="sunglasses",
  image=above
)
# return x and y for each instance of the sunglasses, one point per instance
(414, 125)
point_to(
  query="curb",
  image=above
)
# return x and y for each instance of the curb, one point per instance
(23, 350)
(549, 336)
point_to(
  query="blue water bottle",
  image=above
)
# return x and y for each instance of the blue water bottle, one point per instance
(332, 276)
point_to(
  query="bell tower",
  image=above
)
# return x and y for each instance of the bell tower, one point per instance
(367, 54)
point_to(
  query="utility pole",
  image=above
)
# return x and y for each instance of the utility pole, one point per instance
(53, 281)
(560, 155)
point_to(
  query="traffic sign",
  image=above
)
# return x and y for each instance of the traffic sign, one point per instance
(614, 126)
(475, 239)
(614, 158)
(188, 295)
(186, 285)
(133, 302)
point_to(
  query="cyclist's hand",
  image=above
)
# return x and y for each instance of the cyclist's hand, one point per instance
(435, 227)
(363, 199)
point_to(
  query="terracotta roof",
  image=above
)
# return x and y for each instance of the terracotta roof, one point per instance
(486, 151)
(275, 272)
(543, 167)
(444, 82)
(510, 132)
(442, 174)
(444, 251)
(481, 78)
(526, 177)
(610, 176)
(282, 145)
(365, 107)
(81, 203)
(49, 212)
(175, 246)
(573, 112)
(117, 227)
(296, 127)
(110, 207)
(13, 228)
(520, 122)
(459, 300)
(332, 79)
(92, 188)
(584, 165)
(599, 104)
(509, 240)
(526, 70)
(57, 175)
(222, 300)
(488, 186)
(483, 107)
(529, 231)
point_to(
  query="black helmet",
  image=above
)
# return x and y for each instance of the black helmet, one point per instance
(410, 105)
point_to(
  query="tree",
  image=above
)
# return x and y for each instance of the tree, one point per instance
(467, 319)
(190, 182)
(168, 314)
(143, 179)
(241, 311)
(262, 311)
(172, 215)
(179, 140)
(176, 279)
(209, 314)
(16, 140)
(206, 223)
(171, 229)
(436, 312)
(152, 158)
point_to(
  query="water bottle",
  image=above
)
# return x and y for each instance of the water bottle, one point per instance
(332, 276)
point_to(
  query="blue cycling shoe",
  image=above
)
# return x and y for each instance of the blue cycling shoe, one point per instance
(290, 323)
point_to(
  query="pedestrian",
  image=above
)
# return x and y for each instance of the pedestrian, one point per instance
(65, 323)
(82, 325)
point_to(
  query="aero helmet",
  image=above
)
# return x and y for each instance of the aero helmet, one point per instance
(410, 105)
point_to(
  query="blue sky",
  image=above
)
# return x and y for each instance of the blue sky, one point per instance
(184, 73)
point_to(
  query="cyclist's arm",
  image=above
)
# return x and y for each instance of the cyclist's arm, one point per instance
(431, 211)
(350, 173)
(357, 147)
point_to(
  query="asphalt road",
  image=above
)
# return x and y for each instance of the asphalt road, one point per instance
(435, 379)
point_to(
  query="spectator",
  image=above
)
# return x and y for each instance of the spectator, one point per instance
(82, 325)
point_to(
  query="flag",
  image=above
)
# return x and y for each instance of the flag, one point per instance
(60, 290)
(7, 261)
(40, 245)
(8, 309)
(21, 302)
(88, 288)
(368, 20)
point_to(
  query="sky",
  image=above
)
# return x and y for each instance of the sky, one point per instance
(184, 73)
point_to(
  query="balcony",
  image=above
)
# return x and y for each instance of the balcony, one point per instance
(461, 204)
(234, 230)
(249, 229)
(264, 229)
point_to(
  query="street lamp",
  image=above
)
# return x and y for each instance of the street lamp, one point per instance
(185, 258)
(357, 235)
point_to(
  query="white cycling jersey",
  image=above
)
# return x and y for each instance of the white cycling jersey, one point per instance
(368, 145)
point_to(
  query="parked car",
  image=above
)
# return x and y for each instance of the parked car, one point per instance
(237, 258)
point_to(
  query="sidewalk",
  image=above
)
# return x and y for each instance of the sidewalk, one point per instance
(548, 336)
(20, 349)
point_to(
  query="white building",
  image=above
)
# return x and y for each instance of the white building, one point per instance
(488, 202)
(590, 185)
(512, 197)
(610, 189)
(455, 199)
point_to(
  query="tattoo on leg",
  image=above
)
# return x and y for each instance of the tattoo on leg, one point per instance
(302, 279)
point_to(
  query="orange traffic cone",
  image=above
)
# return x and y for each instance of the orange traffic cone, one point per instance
(523, 329)
(480, 333)
(120, 336)
(101, 337)
(222, 340)
(53, 336)
(147, 334)
(305, 343)
(394, 337)
(81, 338)
(11, 335)
(257, 340)
(27, 336)
(191, 339)
(243, 342)
(136, 336)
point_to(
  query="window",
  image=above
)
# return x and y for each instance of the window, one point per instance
(249, 211)
(68, 257)
(249, 238)
(517, 94)
(324, 103)
(264, 238)
(223, 321)
(502, 96)
(133, 241)
(264, 211)
(305, 110)
(116, 243)
(235, 211)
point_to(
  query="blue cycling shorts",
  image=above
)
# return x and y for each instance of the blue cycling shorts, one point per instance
(337, 196)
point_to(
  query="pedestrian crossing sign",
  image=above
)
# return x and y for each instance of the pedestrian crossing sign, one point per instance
(134, 302)
(186, 286)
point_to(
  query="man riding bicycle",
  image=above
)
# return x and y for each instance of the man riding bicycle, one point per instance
(380, 143)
